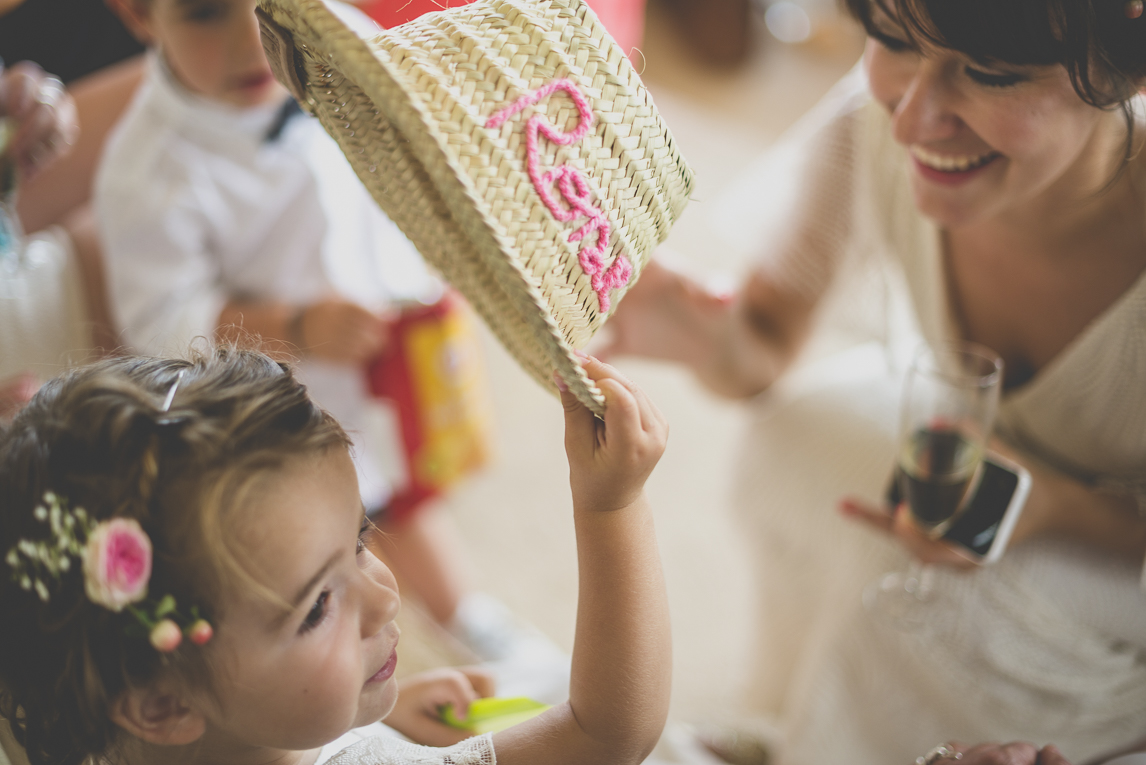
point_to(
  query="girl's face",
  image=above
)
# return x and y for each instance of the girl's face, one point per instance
(297, 680)
(986, 140)
(212, 47)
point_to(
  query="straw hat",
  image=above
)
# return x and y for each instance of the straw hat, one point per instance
(513, 143)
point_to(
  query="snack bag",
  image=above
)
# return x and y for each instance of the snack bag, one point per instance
(432, 373)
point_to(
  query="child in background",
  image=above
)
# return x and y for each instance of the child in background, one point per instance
(211, 508)
(224, 210)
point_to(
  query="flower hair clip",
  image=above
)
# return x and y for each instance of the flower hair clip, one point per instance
(115, 557)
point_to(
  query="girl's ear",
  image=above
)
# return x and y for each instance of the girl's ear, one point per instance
(157, 716)
(136, 16)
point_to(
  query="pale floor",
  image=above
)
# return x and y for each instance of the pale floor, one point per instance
(516, 517)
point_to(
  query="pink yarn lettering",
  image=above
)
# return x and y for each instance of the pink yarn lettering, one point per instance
(573, 185)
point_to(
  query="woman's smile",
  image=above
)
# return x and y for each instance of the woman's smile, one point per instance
(950, 169)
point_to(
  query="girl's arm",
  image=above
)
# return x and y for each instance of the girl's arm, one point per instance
(622, 662)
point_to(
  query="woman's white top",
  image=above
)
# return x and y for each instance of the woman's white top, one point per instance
(1050, 643)
(374, 745)
(197, 206)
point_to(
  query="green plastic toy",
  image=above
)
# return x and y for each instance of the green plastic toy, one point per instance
(493, 715)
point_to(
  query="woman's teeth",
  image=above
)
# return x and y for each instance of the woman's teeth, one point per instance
(951, 163)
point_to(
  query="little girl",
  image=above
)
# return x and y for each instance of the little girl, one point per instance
(186, 581)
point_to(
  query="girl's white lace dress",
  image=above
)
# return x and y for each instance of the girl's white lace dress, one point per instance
(378, 745)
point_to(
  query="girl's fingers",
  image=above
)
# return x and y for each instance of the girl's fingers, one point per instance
(622, 413)
(456, 691)
(580, 424)
(482, 680)
(651, 420)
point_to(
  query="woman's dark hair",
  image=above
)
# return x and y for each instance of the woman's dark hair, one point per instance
(1103, 50)
(99, 438)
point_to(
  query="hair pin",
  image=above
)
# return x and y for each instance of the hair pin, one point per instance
(179, 378)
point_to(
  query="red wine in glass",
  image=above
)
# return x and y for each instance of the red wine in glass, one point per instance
(938, 466)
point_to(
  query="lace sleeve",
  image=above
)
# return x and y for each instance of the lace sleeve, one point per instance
(793, 210)
(386, 750)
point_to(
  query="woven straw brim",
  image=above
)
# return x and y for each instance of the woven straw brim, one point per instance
(409, 109)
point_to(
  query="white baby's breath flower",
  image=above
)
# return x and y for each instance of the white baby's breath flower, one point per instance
(42, 591)
(12, 559)
(41, 513)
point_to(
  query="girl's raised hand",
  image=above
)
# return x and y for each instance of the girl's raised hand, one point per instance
(610, 460)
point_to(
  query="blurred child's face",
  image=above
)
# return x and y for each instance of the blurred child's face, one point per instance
(212, 47)
(988, 140)
(299, 681)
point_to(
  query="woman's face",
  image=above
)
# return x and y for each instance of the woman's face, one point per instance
(988, 141)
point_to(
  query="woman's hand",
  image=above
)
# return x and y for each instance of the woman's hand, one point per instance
(667, 315)
(610, 460)
(898, 523)
(418, 711)
(1057, 506)
(737, 344)
(44, 115)
(1015, 753)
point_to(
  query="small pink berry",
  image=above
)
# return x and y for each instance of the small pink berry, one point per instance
(166, 636)
(200, 632)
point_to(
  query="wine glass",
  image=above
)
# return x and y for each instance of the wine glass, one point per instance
(950, 398)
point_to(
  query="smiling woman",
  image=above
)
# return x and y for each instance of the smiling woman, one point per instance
(989, 154)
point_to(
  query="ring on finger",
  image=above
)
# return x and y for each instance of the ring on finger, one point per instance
(50, 91)
(941, 752)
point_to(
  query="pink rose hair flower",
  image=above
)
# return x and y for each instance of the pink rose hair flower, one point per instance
(116, 557)
(117, 563)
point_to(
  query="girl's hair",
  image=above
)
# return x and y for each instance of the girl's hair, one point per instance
(100, 438)
(1103, 50)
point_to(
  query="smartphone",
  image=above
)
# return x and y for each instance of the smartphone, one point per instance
(982, 530)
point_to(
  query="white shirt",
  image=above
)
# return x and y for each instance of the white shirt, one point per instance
(196, 208)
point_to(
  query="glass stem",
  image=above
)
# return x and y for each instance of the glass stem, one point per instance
(920, 579)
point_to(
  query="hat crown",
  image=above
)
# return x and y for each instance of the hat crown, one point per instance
(515, 145)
